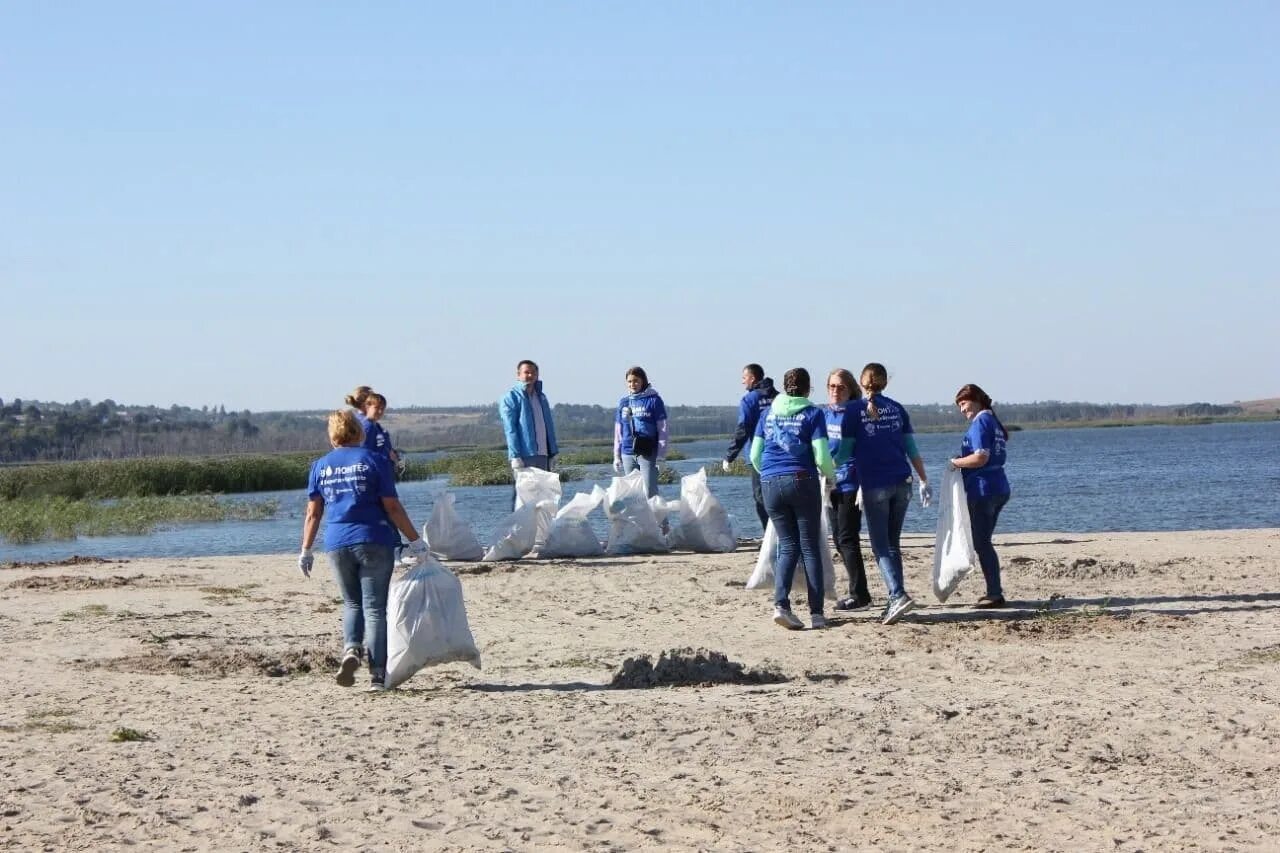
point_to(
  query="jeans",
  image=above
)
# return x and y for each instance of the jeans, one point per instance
(648, 465)
(758, 493)
(846, 523)
(983, 513)
(885, 510)
(795, 508)
(363, 573)
(540, 462)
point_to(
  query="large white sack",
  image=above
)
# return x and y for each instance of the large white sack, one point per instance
(514, 535)
(426, 623)
(763, 574)
(953, 553)
(447, 535)
(542, 489)
(633, 528)
(704, 523)
(571, 534)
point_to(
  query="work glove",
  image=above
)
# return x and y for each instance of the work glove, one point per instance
(857, 499)
(305, 561)
(516, 463)
(401, 465)
(617, 464)
(417, 551)
(926, 494)
(726, 466)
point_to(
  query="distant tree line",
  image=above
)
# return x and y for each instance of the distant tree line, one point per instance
(36, 431)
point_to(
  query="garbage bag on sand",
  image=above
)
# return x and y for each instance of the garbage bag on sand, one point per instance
(447, 535)
(633, 528)
(426, 623)
(704, 523)
(542, 489)
(763, 575)
(953, 553)
(571, 534)
(514, 535)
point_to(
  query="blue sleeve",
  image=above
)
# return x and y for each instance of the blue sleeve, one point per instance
(818, 424)
(659, 410)
(386, 480)
(313, 481)
(983, 433)
(906, 422)
(747, 406)
(760, 427)
(508, 411)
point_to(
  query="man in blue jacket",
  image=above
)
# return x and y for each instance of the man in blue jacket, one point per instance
(754, 403)
(526, 421)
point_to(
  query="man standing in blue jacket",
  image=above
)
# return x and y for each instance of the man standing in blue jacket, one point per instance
(754, 403)
(526, 421)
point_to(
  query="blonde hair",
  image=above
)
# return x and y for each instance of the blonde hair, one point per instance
(879, 381)
(846, 379)
(345, 429)
(357, 398)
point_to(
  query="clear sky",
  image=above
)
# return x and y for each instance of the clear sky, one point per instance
(262, 205)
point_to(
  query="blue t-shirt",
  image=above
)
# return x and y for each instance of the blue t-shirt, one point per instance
(352, 481)
(881, 448)
(846, 474)
(643, 411)
(788, 441)
(985, 434)
(376, 438)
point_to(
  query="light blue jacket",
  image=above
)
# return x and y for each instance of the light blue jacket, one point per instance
(518, 425)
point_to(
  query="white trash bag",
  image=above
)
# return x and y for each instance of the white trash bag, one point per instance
(633, 528)
(953, 552)
(426, 623)
(542, 489)
(704, 523)
(514, 535)
(571, 534)
(763, 574)
(448, 536)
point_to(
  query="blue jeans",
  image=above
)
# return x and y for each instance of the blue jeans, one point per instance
(983, 513)
(884, 510)
(363, 573)
(647, 465)
(795, 508)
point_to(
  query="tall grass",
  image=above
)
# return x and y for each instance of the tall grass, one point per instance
(36, 519)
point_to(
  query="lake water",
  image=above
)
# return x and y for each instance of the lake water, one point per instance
(1215, 476)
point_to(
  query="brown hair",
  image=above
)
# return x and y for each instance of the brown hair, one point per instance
(374, 395)
(639, 373)
(795, 382)
(357, 397)
(345, 429)
(975, 394)
(879, 381)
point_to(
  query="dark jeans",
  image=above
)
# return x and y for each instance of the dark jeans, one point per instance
(846, 523)
(795, 508)
(758, 494)
(983, 514)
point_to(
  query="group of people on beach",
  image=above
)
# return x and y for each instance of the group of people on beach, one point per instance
(864, 447)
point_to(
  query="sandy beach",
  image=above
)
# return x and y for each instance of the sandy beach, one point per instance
(1129, 699)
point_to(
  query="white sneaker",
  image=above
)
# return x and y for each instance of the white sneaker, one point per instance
(347, 670)
(817, 620)
(787, 619)
(377, 687)
(898, 607)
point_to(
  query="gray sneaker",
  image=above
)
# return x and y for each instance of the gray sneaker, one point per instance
(898, 607)
(347, 670)
(817, 620)
(787, 619)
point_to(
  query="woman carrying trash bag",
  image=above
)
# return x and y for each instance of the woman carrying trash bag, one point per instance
(981, 461)
(357, 489)
(843, 512)
(640, 430)
(885, 441)
(789, 450)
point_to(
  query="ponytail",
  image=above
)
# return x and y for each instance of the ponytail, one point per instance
(357, 398)
(878, 381)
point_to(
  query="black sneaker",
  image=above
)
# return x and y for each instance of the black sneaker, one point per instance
(849, 603)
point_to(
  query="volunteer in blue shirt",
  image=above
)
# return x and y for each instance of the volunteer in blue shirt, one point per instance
(981, 461)
(370, 406)
(789, 450)
(754, 403)
(885, 452)
(640, 430)
(842, 505)
(357, 489)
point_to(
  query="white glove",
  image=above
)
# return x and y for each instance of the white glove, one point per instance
(401, 465)
(857, 499)
(516, 463)
(305, 561)
(926, 494)
(951, 465)
(725, 466)
(617, 464)
(417, 550)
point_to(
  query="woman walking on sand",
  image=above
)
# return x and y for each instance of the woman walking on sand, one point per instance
(640, 430)
(843, 512)
(885, 444)
(355, 485)
(789, 449)
(981, 461)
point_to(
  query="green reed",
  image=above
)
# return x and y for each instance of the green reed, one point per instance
(26, 520)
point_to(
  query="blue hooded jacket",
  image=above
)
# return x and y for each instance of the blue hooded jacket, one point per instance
(516, 414)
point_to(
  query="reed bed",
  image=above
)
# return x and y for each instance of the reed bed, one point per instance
(25, 520)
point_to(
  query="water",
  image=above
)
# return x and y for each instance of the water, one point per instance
(1216, 476)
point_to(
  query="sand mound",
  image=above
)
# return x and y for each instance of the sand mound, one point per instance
(69, 561)
(1081, 568)
(688, 668)
(58, 583)
(220, 664)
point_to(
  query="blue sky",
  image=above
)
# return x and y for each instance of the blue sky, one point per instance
(264, 205)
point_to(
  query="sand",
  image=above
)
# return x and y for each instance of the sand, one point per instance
(1128, 700)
